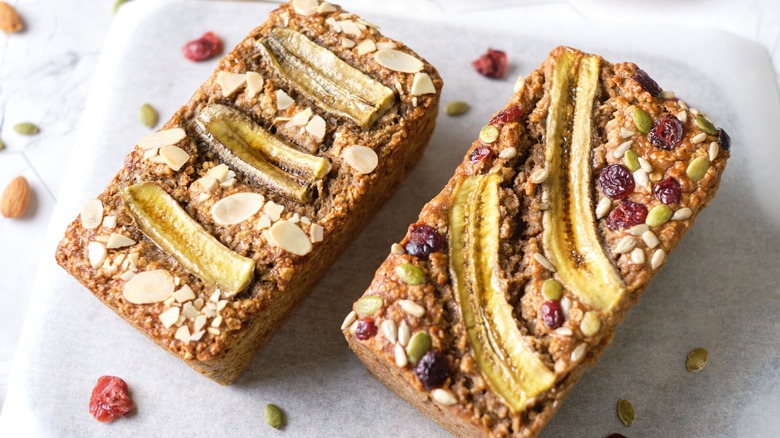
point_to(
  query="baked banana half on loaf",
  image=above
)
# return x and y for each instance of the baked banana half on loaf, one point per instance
(516, 275)
(218, 225)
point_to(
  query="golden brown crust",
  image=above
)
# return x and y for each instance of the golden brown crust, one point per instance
(479, 410)
(344, 201)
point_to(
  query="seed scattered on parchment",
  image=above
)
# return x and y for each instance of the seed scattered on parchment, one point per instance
(274, 416)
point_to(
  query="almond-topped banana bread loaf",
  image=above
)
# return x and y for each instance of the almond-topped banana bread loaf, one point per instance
(218, 225)
(515, 276)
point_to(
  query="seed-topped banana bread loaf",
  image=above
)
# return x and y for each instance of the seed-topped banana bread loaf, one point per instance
(218, 225)
(516, 275)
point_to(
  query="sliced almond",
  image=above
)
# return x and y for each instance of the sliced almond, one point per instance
(169, 317)
(316, 127)
(300, 119)
(109, 222)
(237, 208)
(254, 83)
(230, 82)
(264, 222)
(290, 238)
(184, 294)
(273, 210)
(162, 138)
(132, 260)
(200, 322)
(305, 7)
(385, 45)
(116, 240)
(207, 183)
(317, 233)
(189, 311)
(326, 7)
(96, 252)
(283, 100)
(127, 275)
(149, 287)
(183, 334)
(422, 84)
(347, 43)
(174, 156)
(151, 153)
(92, 214)
(219, 172)
(350, 28)
(366, 46)
(398, 61)
(361, 158)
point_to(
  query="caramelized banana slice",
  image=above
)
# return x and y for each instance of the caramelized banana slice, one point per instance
(166, 224)
(509, 365)
(570, 232)
(323, 77)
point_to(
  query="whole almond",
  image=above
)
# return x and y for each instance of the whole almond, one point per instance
(10, 21)
(16, 198)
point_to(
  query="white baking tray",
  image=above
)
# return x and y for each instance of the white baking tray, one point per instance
(720, 289)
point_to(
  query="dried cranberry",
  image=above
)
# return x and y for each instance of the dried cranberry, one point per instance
(666, 133)
(492, 64)
(647, 83)
(627, 214)
(203, 48)
(616, 181)
(668, 191)
(616, 435)
(432, 369)
(110, 399)
(552, 314)
(507, 115)
(366, 329)
(724, 139)
(481, 153)
(423, 240)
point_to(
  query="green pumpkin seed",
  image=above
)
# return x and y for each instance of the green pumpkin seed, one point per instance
(488, 134)
(410, 274)
(642, 121)
(659, 215)
(705, 125)
(26, 128)
(631, 159)
(419, 344)
(119, 3)
(697, 359)
(626, 412)
(369, 304)
(456, 108)
(552, 289)
(149, 116)
(274, 416)
(698, 168)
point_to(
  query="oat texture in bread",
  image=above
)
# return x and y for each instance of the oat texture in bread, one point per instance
(515, 276)
(219, 224)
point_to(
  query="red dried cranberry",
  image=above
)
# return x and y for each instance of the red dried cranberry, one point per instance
(366, 329)
(423, 240)
(616, 435)
(627, 214)
(480, 153)
(647, 83)
(668, 191)
(666, 133)
(203, 48)
(110, 399)
(507, 115)
(492, 64)
(724, 139)
(552, 314)
(432, 369)
(616, 181)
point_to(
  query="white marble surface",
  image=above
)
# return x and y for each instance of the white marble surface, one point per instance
(45, 73)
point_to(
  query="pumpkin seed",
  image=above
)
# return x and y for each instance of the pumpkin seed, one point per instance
(488, 134)
(456, 108)
(705, 125)
(410, 274)
(274, 416)
(697, 359)
(369, 304)
(642, 121)
(149, 116)
(119, 3)
(420, 343)
(659, 215)
(552, 289)
(26, 128)
(632, 160)
(626, 412)
(698, 168)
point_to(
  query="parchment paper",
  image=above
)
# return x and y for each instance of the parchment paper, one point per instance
(720, 290)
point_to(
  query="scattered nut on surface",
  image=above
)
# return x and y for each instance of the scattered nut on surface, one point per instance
(10, 20)
(16, 198)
